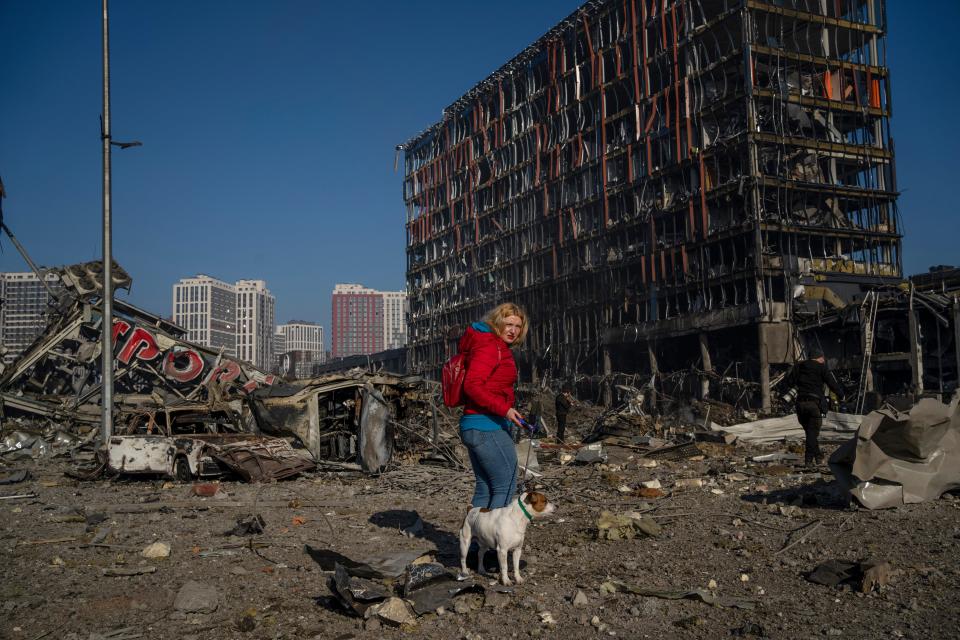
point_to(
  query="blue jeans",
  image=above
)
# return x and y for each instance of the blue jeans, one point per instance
(494, 461)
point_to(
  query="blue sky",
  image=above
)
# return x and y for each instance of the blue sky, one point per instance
(269, 131)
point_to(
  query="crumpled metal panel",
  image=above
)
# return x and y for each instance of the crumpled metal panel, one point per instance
(376, 431)
(262, 459)
(902, 458)
(390, 564)
(354, 593)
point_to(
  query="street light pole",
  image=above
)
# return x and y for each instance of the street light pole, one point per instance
(106, 327)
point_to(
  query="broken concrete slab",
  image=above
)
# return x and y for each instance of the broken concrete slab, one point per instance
(197, 597)
(156, 551)
(393, 611)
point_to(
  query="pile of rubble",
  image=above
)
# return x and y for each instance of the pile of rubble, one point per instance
(187, 411)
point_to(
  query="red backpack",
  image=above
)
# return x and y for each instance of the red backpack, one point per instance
(451, 380)
(452, 375)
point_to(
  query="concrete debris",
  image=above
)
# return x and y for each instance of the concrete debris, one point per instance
(626, 526)
(156, 551)
(248, 526)
(14, 476)
(187, 411)
(124, 572)
(703, 595)
(547, 618)
(205, 489)
(393, 611)
(197, 597)
(864, 576)
(749, 630)
(591, 453)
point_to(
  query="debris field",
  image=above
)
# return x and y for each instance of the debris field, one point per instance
(723, 546)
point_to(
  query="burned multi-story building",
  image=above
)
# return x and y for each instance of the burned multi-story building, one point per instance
(663, 185)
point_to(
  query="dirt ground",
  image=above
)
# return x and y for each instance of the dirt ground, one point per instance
(726, 536)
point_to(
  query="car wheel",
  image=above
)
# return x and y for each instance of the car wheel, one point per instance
(181, 470)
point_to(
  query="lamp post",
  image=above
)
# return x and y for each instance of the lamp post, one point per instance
(106, 327)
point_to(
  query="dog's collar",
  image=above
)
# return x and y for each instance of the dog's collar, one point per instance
(524, 509)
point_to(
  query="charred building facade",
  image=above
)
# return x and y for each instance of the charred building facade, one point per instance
(661, 184)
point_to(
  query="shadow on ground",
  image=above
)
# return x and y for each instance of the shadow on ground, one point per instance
(820, 493)
(447, 542)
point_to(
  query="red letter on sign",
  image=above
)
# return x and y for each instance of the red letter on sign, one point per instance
(120, 328)
(142, 344)
(193, 366)
(228, 371)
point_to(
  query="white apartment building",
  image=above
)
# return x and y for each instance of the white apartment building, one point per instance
(300, 335)
(305, 339)
(207, 309)
(395, 309)
(24, 310)
(256, 323)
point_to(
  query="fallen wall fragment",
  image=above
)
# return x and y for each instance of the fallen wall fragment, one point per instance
(837, 427)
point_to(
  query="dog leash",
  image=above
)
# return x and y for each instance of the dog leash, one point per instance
(526, 462)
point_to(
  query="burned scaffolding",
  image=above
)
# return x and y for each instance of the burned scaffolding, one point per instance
(660, 183)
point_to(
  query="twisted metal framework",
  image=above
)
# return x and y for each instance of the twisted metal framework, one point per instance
(650, 172)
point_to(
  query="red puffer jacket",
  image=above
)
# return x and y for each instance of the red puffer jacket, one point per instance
(491, 371)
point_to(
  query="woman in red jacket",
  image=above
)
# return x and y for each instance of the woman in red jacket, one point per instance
(488, 412)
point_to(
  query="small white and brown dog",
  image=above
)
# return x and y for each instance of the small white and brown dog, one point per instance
(503, 530)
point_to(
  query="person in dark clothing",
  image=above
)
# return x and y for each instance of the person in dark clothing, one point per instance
(808, 377)
(562, 407)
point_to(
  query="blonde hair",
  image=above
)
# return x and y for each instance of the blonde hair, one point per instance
(497, 317)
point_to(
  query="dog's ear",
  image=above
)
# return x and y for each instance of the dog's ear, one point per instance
(536, 500)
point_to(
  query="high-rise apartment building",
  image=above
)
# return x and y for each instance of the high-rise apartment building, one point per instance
(356, 327)
(256, 322)
(239, 317)
(24, 305)
(303, 343)
(207, 309)
(300, 335)
(394, 319)
(279, 348)
(656, 183)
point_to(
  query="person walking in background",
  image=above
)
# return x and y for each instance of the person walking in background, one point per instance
(562, 408)
(488, 412)
(809, 377)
